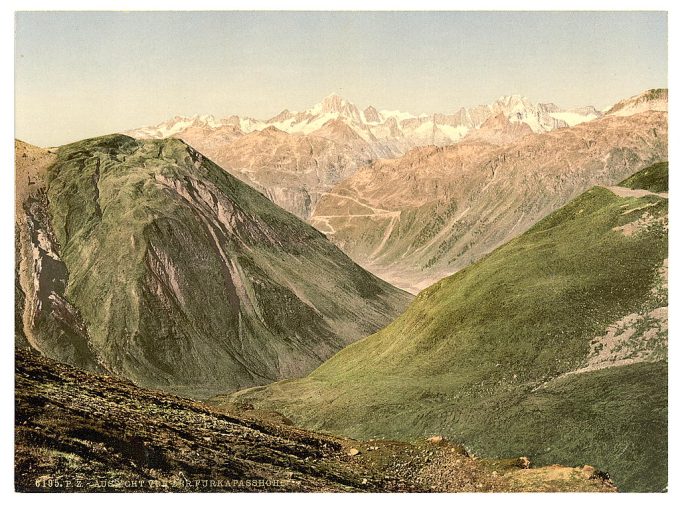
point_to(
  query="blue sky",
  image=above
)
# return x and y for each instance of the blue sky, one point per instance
(84, 74)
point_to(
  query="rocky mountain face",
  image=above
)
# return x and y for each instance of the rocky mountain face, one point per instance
(145, 259)
(294, 170)
(499, 130)
(653, 99)
(44, 317)
(555, 345)
(415, 219)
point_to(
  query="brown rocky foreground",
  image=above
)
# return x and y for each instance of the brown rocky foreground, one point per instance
(81, 432)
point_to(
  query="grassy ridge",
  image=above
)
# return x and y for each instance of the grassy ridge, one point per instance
(480, 356)
(654, 178)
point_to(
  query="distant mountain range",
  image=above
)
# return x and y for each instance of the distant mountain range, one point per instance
(415, 219)
(390, 132)
(295, 157)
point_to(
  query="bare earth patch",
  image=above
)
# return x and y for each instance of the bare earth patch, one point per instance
(642, 224)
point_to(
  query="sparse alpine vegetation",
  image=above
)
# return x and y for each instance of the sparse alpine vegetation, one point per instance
(654, 179)
(79, 432)
(554, 346)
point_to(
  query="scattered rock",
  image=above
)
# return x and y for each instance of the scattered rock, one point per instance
(588, 471)
(436, 439)
(405, 467)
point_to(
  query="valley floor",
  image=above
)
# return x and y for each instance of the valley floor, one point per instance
(80, 432)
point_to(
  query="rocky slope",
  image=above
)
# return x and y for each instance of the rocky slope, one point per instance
(145, 259)
(499, 130)
(653, 99)
(42, 312)
(435, 210)
(331, 140)
(555, 346)
(31, 164)
(79, 432)
(293, 171)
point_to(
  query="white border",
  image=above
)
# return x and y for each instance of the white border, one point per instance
(7, 8)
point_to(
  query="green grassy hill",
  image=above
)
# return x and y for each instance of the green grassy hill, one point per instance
(654, 178)
(553, 346)
(155, 264)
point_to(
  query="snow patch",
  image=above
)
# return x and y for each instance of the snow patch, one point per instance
(573, 118)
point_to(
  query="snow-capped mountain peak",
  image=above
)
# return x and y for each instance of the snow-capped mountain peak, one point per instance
(176, 125)
(336, 105)
(513, 102)
(388, 131)
(284, 115)
(398, 115)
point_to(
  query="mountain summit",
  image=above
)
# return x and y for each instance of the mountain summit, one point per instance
(335, 104)
(653, 99)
